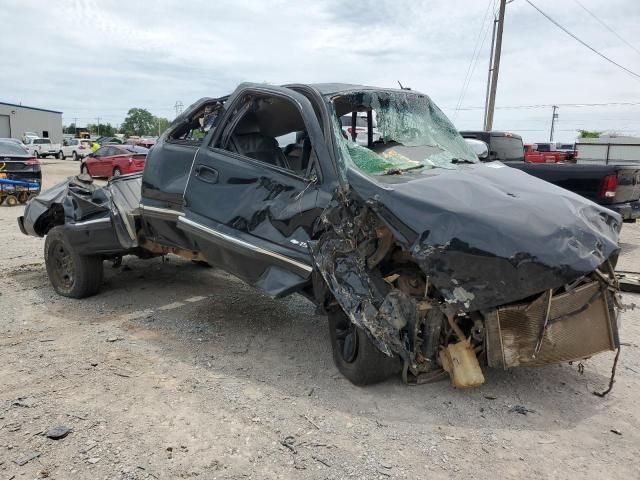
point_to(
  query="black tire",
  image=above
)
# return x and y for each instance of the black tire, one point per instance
(84, 169)
(36, 154)
(355, 355)
(116, 172)
(74, 156)
(60, 155)
(23, 197)
(12, 200)
(71, 275)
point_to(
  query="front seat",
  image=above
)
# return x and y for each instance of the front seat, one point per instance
(247, 140)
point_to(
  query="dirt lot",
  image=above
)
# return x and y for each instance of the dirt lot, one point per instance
(180, 371)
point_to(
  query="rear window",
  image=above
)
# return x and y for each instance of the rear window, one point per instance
(507, 148)
(11, 148)
(345, 120)
(41, 141)
(543, 147)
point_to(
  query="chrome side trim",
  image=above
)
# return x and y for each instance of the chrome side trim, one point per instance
(247, 245)
(161, 211)
(91, 222)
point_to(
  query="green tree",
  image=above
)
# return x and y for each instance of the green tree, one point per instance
(103, 129)
(160, 125)
(138, 122)
(70, 129)
(589, 133)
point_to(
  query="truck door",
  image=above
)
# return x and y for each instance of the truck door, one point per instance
(252, 196)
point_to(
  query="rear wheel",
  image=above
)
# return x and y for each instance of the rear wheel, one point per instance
(74, 156)
(71, 275)
(23, 197)
(60, 155)
(355, 355)
(12, 200)
(84, 170)
(36, 154)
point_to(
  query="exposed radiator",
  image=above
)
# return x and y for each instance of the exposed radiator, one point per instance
(579, 325)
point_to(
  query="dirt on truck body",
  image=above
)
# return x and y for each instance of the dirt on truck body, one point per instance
(425, 260)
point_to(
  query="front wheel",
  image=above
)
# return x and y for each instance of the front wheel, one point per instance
(74, 156)
(71, 275)
(355, 355)
(60, 155)
(116, 172)
(84, 170)
(36, 154)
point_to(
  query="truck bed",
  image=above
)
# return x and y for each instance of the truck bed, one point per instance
(587, 181)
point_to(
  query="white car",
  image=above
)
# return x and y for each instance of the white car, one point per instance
(42, 147)
(361, 129)
(76, 148)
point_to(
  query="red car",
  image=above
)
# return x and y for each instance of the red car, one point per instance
(114, 160)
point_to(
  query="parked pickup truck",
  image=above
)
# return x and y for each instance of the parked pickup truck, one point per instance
(43, 147)
(616, 187)
(549, 148)
(424, 259)
(532, 154)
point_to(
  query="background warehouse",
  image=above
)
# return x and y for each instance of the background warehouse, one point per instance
(15, 120)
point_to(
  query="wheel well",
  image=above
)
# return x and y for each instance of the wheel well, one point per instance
(51, 218)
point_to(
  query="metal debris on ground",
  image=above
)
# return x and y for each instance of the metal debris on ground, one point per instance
(629, 281)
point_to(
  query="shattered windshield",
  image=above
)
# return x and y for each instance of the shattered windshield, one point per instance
(411, 133)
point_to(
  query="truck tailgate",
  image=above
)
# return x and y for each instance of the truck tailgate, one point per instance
(585, 180)
(628, 184)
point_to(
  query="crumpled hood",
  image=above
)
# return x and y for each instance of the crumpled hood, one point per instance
(487, 234)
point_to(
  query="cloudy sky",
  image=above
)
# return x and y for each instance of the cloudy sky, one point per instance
(92, 58)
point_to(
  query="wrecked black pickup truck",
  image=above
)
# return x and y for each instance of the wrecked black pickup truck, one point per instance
(424, 259)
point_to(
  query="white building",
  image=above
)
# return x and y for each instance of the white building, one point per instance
(15, 120)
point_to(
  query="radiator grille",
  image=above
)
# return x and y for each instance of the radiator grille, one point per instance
(579, 327)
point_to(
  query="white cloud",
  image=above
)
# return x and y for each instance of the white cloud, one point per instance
(94, 58)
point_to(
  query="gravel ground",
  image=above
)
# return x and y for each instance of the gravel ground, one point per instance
(180, 371)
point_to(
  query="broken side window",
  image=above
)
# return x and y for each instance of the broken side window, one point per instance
(404, 131)
(271, 130)
(198, 125)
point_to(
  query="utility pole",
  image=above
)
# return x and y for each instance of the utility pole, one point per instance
(495, 67)
(486, 96)
(554, 117)
(98, 119)
(178, 107)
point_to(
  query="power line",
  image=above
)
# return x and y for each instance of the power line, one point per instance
(477, 48)
(547, 105)
(583, 42)
(606, 26)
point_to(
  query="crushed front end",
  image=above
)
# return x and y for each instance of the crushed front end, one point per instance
(453, 267)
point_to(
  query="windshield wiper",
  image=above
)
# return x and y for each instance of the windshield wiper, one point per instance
(398, 171)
